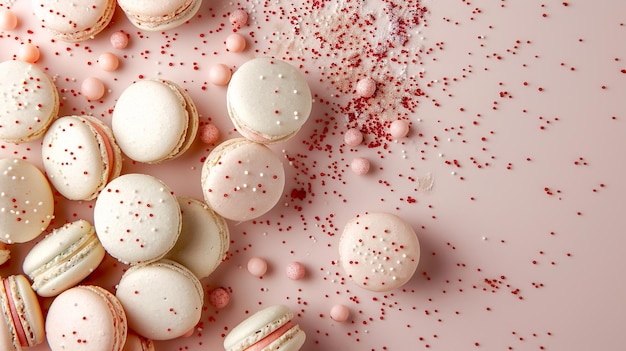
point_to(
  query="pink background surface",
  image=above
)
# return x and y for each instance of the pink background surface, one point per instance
(520, 129)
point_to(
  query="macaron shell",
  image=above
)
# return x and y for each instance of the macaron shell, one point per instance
(86, 318)
(256, 327)
(137, 218)
(163, 300)
(63, 258)
(135, 342)
(29, 102)
(242, 180)
(25, 199)
(159, 15)
(74, 20)
(379, 251)
(154, 121)
(204, 238)
(268, 100)
(77, 154)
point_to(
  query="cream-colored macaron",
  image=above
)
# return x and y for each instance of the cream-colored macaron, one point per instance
(80, 156)
(268, 100)
(154, 121)
(159, 15)
(29, 102)
(74, 20)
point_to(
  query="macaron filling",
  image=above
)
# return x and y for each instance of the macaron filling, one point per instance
(270, 338)
(19, 328)
(107, 146)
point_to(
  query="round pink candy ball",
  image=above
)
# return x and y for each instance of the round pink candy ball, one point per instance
(399, 128)
(28, 53)
(108, 62)
(353, 137)
(366, 87)
(339, 313)
(209, 134)
(92, 88)
(238, 18)
(257, 266)
(119, 40)
(295, 271)
(8, 20)
(235, 42)
(219, 297)
(360, 165)
(220, 74)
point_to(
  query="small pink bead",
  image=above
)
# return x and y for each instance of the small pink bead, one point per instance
(366, 87)
(28, 53)
(295, 271)
(235, 42)
(353, 137)
(219, 298)
(360, 165)
(219, 74)
(108, 62)
(8, 20)
(399, 128)
(119, 40)
(209, 134)
(339, 313)
(257, 266)
(238, 18)
(92, 88)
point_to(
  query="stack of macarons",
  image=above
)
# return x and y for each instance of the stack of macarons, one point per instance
(268, 101)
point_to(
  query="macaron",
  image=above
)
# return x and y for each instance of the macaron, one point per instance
(29, 101)
(204, 238)
(163, 299)
(5, 253)
(63, 258)
(268, 100)
(26, 201)
(80, 156)
(272, 328)
(74, 20)
(242, 180)
(136, 342)
(22, 324)
(379, 251)
(159, 15)
(154, 121)
(86, 318)
(137, 218)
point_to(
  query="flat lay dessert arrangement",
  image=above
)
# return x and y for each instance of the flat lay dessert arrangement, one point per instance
(311, 175)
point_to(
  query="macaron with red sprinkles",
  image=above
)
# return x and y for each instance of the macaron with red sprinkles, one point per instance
(137, 218)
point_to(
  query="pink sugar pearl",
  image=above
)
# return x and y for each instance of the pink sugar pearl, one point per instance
(219, 297)
(235, 42)
(119, 40)
(92, 88)
(360, 165)
(209, 134)
(220, 74)
(8, 20)
(353, 137)
(295, 271)
(399, 129)
(28, 53)
(238, 18)
(366, 87)
(108, 62)
(257, 266)
(339, 313)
